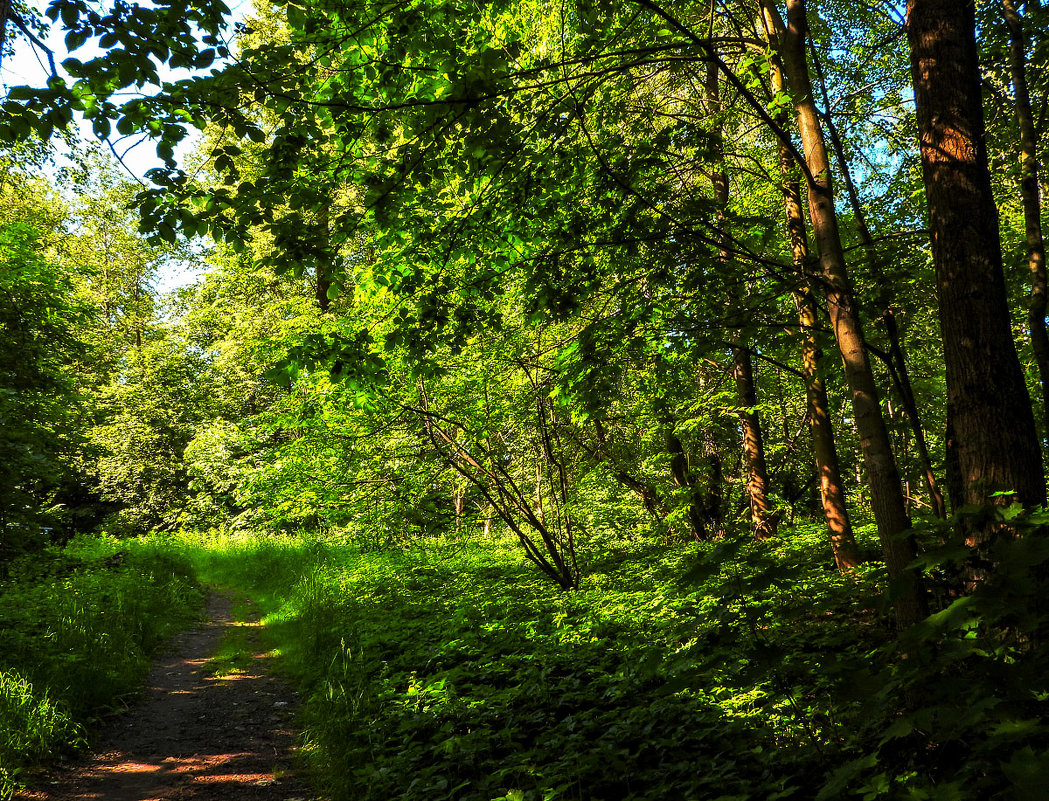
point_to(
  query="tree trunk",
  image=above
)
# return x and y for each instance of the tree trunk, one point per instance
(753, 446)
(1032, 203)
(884, 301)
(683, 478)
(763, 522)
(832, 490)
(887, 502)
(993, 425)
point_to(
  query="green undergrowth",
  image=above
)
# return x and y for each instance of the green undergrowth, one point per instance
(77, 626)
(724, 671)
(455, 672)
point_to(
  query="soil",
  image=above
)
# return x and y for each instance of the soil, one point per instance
(193, 736)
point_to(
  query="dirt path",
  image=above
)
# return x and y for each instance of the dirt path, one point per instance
(193, 737)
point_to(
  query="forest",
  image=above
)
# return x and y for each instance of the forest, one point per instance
(597, 401)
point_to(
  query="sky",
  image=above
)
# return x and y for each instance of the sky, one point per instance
(29, 66)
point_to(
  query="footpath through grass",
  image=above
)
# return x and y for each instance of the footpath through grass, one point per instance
(721, 671)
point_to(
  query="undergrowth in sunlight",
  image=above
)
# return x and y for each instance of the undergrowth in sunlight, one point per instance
(453, 671)
(730, 669)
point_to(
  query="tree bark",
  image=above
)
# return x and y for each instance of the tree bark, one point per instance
(753, 446)
(991, 418)
(884, 302)
(683, 478)
(887, 502)
(763, 522)
(1032, 202)
(832, 489)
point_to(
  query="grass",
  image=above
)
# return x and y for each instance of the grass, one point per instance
(722, 671)
(77, 626)
(32, 728)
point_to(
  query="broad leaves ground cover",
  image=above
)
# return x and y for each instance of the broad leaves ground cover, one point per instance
(720, 670)
(456, 673)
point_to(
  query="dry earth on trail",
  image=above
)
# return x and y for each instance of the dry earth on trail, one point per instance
(193, 737)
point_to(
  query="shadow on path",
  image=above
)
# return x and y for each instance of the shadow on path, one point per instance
(193, 737)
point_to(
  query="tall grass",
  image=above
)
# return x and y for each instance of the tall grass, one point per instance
(76, 629)
(32, 727)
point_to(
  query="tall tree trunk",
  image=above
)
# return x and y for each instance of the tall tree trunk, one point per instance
(763, 522)
(832, 489)
(884, 301)
(996, 441)
(1032, 202)
(753, 446)
(883, 479)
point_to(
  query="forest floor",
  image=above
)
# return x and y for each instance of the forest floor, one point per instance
(214, 723)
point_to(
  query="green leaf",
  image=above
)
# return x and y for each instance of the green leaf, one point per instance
(1028, 771)
(74, 40)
